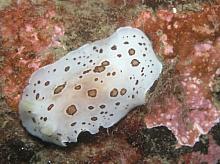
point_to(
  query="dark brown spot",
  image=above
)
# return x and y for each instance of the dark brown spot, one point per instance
(101, 50)
(91, 107)
(114, 47)
(114, 92)
(113, 73)
(92, 93)
(99, 69)
(123, 91)
(46, 83)
(73, 124)
(136, 83)
(38, 82)
(45, 118)
(86, 71)
(59, 88)
(50, 107)
(94, 47)
(96, 79)
(102, 106)
(119, 55)
(54, 70)
(67, 68)
(105, 63)
(135, 62)
(34, 91)
(111, 115)
(77, 87)
(126, 43)
(94, 118)
(33, 119)
(117, 103)
(71, 110)
(131, 51)
(37, 96)
(108, 74)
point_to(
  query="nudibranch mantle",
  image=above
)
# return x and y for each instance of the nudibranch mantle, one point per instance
(91, 87)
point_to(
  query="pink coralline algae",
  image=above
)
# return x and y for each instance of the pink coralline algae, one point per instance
(26, 32)
(212, 156)
(195, 114)
(190, 47)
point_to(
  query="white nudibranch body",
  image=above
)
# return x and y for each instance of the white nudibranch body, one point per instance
(91, 87)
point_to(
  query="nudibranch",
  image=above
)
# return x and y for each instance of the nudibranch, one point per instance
(91, 87)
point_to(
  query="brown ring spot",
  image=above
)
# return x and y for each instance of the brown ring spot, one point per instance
(114, 47)
(99, 69)
(94, 118)
(67, 68)
(59, 88)
(92, 93)
(131, 51)
(91, 107)
(114, 92)
(71, 110)
(50, 107)
(77, 87)
(102, 106)
(123, 91)
(46, 83)
(135, 62)
(105, 63)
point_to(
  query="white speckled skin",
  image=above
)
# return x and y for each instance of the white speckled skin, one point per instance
(93, 86)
